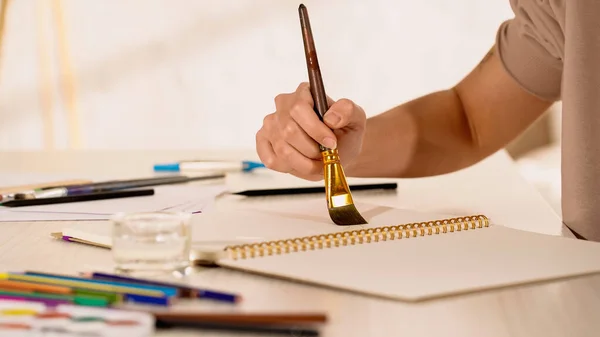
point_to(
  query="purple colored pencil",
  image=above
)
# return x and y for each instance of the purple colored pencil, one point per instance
(76, 240)
(46, 301)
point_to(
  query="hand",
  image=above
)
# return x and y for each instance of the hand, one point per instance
(288, 140)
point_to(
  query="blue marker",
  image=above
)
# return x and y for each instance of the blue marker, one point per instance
(209, 166)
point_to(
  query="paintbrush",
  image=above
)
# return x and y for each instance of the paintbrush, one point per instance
(339, 199)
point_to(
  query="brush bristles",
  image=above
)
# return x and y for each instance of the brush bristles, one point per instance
(346, 215)
(339, 199)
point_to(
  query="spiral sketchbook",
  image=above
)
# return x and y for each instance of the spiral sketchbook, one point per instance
(401, 254)
(415, 261)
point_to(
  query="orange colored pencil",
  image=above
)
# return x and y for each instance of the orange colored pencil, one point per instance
(28, 287)
(12, 289)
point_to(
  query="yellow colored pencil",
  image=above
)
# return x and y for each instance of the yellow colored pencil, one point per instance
(81, 284)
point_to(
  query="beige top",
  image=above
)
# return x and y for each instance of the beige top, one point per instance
(552, 48)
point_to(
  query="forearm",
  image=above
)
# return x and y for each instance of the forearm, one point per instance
(430, 135)
(448, 130)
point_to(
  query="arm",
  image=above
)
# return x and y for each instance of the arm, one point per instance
(448, 130)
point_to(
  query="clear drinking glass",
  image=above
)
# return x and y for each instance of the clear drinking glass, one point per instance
(151, 242)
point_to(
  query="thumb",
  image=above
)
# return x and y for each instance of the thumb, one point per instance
(344, 114)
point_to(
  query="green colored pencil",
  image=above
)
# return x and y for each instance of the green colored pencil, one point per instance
(76, 299)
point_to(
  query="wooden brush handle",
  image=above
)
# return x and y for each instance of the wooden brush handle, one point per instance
(317, 89)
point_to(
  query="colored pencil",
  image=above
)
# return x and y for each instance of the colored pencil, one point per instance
(129, 293)
(112, 298)
(58, 235)
(79, 300)
(166, 290)
(185, 291)
(26, 286)
(45, 301)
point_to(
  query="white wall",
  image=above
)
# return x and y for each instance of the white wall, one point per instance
(159, 74)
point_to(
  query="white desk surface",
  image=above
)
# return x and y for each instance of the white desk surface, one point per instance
(493, 187)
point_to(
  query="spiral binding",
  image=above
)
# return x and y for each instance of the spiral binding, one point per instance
(353, 237)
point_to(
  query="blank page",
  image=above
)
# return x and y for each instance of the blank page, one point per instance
(215, 230)
(425, 267)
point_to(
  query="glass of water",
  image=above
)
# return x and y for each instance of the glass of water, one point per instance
(151, 242)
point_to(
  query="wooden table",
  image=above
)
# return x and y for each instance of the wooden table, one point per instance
(493, 187)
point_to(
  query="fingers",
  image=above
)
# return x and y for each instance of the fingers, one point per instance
(293, 134)
(267, 154)
(288, 141)
(297, 108)
(304, 115)
(299, 164)
(345, 114)
(303, 93)
(280, 155)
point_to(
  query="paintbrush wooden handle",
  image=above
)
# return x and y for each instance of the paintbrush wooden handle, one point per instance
(317, 89)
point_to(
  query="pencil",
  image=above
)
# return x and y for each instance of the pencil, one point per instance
(79, 300)
(129, 293)
(241, 328)
(26, 286)
(242, 318)
(166, 290)
(185, 291)
(46, 301)
(309, 190)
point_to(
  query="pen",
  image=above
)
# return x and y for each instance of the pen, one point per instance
(208, 165)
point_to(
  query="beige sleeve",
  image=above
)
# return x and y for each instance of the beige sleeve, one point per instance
(530, 48)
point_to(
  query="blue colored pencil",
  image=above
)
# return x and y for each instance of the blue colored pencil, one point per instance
(167, 291)
(185, 291)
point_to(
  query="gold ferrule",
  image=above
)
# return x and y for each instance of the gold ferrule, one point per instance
(330, 156)
(337, 191)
